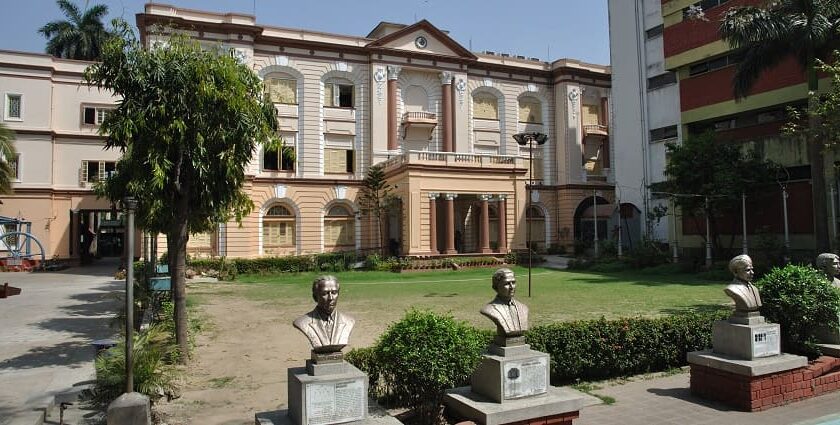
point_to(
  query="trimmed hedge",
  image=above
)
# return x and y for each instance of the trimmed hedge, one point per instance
(598, 349)
(328, 262)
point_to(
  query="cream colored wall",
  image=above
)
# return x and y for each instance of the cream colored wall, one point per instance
(68, 99)
(72, 152)
(35, 100)
(36, 160)
(406, 42)
(378, 95)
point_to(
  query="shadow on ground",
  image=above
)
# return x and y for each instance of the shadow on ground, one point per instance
(685, 394)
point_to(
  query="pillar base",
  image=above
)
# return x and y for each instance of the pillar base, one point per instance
(487, 251)
(450, 252)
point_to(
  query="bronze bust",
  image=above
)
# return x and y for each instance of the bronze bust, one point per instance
(509, 315)
(327, 329)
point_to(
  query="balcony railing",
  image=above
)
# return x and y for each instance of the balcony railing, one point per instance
(419, 118)
(595, 130)
(455, 159)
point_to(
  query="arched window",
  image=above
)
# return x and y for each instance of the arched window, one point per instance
(536, 219)
(530, 110)
(281, 88)
(339, 227)
(278, 230)
(485, 106)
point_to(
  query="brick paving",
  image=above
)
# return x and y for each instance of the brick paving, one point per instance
(667, 400)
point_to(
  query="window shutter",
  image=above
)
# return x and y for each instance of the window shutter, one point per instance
(90, 116)
(329, 98)
(350, 160)
(83, 172)
(102, 174)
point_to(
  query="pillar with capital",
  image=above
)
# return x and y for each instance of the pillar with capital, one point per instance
(393, 74)
(446, 110)
(502, 224)
(450, 223)
(484, 228)
(433, 247)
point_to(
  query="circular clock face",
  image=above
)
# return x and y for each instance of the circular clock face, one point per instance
(421, 42)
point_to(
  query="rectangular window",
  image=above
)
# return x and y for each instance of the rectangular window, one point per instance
(590, 114)
(14, 106)
(663, 133)
(15, 165)
(662, 80)
(281, 90)
(94, 115)
(698, 68)
(530, 112)
(93, 171)
(274, 160)
(655, 31)
(338, 160)
(485, 107)
(338, 95)
(339, 232)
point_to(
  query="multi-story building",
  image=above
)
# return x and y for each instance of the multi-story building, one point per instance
(647, 109)
(437, 117)
(659, 40)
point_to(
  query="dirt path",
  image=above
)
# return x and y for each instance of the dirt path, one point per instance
(239, 363)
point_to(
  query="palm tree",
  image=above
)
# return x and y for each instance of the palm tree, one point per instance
(81, 36)
(7, 155)
(806, 29)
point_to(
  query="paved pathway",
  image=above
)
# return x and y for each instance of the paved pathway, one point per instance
(45, 334)
(667, 400)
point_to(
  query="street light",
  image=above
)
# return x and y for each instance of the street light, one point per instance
(782, 180)
(129, 204)
(528, 139)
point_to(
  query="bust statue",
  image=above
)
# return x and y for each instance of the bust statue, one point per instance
(509, 315)
(741, 290)
(327, 329)
(830, 265)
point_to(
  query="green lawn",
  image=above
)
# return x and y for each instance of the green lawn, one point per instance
(556, 295)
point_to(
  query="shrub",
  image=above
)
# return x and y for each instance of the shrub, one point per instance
(598, 349)
(153, 376)
(419, 357)
(800, 299)
(646, 254)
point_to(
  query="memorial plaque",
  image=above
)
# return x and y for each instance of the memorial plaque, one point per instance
(765, 341)
(335, 402)
(525, 378)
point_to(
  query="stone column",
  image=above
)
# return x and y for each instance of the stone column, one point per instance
(450, 223)
(446, 109)
(502, 224)
(484, 228)
(393, 74)
(433, 248)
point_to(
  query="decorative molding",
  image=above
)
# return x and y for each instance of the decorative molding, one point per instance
(280, 191)
(394, 72)
(450, 196)
(434, 195)
(501, 197)
(341, 66)
(574, 97)
(340, 192)
(535, 196)
(379, 77)
(488, 82)
(445, 78)
(532, 88)
(461, 88)
(485, 196)
(281, 60)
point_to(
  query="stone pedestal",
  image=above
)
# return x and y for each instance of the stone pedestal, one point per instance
(511, 386)
(130, 409)
(746, 338)
(508, 373)
(324, 394)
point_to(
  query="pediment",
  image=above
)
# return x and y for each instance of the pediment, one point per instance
(410, 39)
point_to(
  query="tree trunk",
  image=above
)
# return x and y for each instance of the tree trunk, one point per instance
(817, 169)
(177, 248)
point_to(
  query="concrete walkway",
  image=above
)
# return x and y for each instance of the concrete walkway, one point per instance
(667, 400)
(45, 335)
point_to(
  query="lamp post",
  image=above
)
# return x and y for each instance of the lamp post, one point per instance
(528, 139)
(782, 179)
(129, 204)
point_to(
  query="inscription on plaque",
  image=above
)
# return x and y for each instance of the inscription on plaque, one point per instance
(525, 378)
(765, 341)
(335, 402)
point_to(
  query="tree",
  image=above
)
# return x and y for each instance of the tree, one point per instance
(81, 36)
(702, 167)
(188, 122)
(7, 155)
(767, 35)
(376, 200)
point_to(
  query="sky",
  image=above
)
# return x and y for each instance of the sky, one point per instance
(545, 29)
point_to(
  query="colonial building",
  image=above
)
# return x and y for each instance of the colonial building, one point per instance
(439, 118)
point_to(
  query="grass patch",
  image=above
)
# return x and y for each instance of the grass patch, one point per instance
(221, 382)
(590, 388)
(556, 295)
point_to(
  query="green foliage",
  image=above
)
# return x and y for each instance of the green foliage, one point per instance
(7, 157)
(726, 171)
(824, 106)
(647, 254)
(800, 299)
(376, 199)
(326, 262)
(598, 349)
(419, 357)
(154, 376)
(81, 36)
